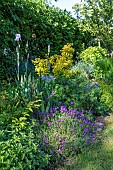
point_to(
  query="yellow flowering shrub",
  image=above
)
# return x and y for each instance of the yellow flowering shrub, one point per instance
(60, 64)
(41, 66)
(67, 50)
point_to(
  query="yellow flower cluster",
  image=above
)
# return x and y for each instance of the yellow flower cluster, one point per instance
(60, 64)
(41, 66)
(67, 50)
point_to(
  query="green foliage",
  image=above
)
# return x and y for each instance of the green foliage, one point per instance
(107, 66)
(19, 143)
(19, 148)
(85, 95)
(98, 57)
(93, 54)
(96, 22)
(107, 89)
(85, 69)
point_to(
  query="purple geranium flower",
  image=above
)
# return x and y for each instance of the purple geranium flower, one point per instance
(72, 111)
(62, 143)
(59, 153)
(71, 127)
(94, 124)
(74, 133)
(49, 124)
(88, 123)
(60, 120)
(85, 130)
(52, 94)
(82, 137)
(73, 148)
(58, 138)
(63, 108)
(61, 148)
(91, 137)
(44, 138)
(71, 103)
(48, 115)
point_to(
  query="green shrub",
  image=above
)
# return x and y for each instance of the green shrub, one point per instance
(19, 147)
(93, 54)
(85, 69)
(85, 95)
(107, 90)
(99, 58)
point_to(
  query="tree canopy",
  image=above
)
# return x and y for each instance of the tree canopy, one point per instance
(96, 18)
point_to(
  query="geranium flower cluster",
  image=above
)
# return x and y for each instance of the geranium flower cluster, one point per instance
(68, 130)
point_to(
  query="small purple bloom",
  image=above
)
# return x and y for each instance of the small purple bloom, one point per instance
(88, 123)
(59, 153)
(73, 117)
(58, 138)
(83, 111)
(81, 125)
(48, 115)
(74, 133)
(62, 143)
(83, 137)
(71, 103)
(79, 114)
(44, 138)
(52, 94)
(71, 127)
(63, 108)
(85, 130)
(73, 148)
(92, 140)
(60, 121)
(49, 124)
(72, 111)
(91, 137)
(61, 148)
(94, 124)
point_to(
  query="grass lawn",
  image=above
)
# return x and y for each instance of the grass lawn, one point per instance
(100, 155)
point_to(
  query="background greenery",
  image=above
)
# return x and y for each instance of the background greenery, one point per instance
(49, 100)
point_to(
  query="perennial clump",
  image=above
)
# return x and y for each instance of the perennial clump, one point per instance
(60, 64)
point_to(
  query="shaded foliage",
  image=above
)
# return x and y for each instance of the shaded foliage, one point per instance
(40, 25)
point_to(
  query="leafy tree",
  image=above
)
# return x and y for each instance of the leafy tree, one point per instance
(96, 20)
